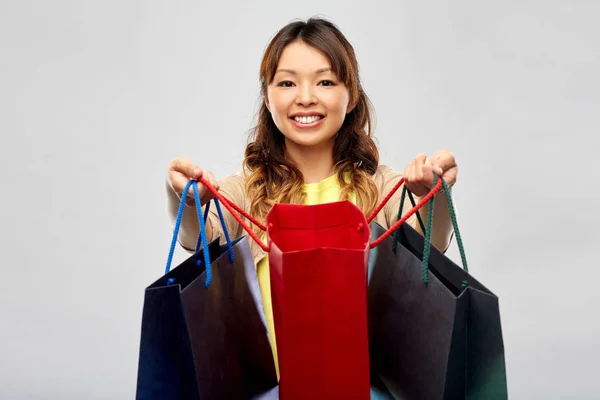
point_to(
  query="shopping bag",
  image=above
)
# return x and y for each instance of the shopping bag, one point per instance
(318, 267)
(203, 332)
(435, 331)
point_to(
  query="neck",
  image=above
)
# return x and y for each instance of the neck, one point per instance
(315, 163)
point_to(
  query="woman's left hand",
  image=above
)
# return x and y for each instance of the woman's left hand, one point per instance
(418, 175)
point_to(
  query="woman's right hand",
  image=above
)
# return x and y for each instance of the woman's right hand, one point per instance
(181, 170)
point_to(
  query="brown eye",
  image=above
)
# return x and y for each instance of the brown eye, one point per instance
(285, 84)
(327, 83)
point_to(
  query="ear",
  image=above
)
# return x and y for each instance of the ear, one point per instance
(352, 105)
(266, 99)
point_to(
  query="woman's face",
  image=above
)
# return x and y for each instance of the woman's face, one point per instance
(306, 100)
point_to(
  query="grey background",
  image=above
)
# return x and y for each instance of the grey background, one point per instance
(97, 97)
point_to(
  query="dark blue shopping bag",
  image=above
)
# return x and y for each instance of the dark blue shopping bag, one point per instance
(203, 332)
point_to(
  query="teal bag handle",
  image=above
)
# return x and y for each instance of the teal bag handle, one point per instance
(427, 229)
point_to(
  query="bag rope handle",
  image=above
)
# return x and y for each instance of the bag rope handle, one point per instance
(234, 209)
(393, 228)
(385, 200)
(231, 207)
(202, 239)
(400, 209)
(427, 230)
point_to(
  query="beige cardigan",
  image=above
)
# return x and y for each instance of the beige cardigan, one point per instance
(232, 187)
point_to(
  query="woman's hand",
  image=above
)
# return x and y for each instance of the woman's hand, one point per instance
(418, 175)
(181, 170)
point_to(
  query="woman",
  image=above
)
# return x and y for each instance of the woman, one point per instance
(312, 144)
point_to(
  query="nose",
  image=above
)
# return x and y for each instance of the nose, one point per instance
(306, 96)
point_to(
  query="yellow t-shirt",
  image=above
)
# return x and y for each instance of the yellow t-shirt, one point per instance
(326, 191)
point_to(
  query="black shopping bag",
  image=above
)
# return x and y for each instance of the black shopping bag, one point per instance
(203, 330)
(434, 330)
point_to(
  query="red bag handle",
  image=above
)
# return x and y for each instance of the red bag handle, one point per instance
(234, 209)
(385, 200)
(413, 210)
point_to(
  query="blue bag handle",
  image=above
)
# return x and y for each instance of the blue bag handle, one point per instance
(202, 239)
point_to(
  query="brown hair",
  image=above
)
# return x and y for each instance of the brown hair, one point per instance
(273, 179)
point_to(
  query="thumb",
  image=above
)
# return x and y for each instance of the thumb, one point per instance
(434, 166)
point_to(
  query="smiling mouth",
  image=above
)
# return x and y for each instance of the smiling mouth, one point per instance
(307, 120)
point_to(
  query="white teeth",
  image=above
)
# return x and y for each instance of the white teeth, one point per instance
(307, 120)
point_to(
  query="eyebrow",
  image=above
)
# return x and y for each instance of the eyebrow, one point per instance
(291, 71)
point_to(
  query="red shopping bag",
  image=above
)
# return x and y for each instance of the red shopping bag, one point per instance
(318, 266)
